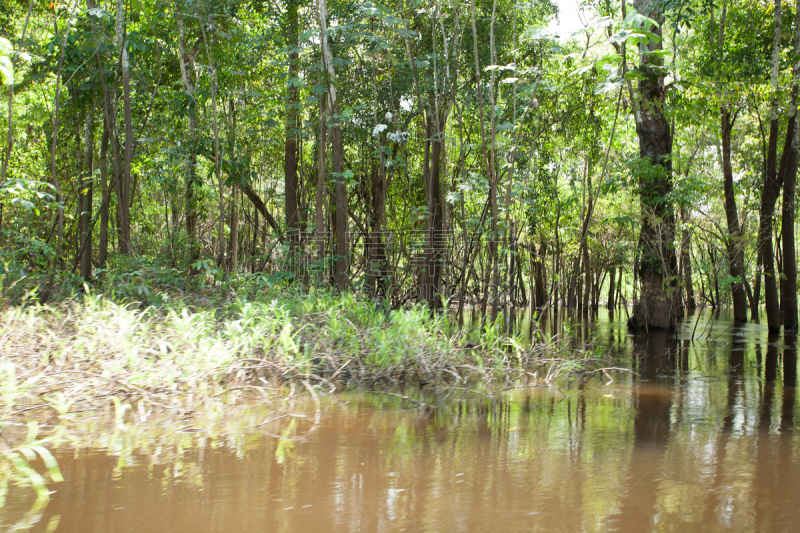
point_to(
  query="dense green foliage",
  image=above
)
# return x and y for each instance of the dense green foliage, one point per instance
(196, 142)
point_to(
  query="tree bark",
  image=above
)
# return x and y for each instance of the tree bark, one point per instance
(773, 180)
(686, 261)
(342, 265)
(186, 62)
(790, 323)
(292, 126)
(124, 185)
(431, 274)
(102, 240)
(733, 241)
(656, 265)
(85, 196)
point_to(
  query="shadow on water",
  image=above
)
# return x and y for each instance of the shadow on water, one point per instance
(701, 438)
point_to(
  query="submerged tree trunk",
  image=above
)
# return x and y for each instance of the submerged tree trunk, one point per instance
(773, 180)
(733, 242)
(787, 218)
(656, 265)
(686, 261)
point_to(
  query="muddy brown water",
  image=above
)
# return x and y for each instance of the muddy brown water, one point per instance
(703, 441)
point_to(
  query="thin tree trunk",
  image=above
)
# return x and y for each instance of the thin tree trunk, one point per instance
(124, 185)
(290, 162)
(319, 193)
(102, 240)
(733, 241)
(53, 171)
(341, 269)
(85, 196)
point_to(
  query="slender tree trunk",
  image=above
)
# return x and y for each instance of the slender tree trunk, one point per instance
(657, 262)
(319, 193)
(124, 185)
(686, 261)
(733, 242)
(234, 247)
(53, 170)
(186, 62)
(85, 197)
(290, 162)
(341, 269)
(102, 240)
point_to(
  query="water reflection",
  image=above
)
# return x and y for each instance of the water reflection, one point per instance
(701, 439)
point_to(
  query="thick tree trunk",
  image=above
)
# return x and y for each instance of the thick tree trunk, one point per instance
(612, 288)
(733, 242)
(656, 265)
(773, 180)
(787, 218)
(431, 274)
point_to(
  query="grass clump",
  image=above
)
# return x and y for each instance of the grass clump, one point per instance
(80, 352)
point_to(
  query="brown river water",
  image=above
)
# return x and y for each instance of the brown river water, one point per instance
(703, 440)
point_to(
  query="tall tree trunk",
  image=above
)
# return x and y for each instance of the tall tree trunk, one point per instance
(319, 193)
(234, 247)
(733, 241)
(773, 180)
(54, 120)
(186, 62)
(656, 265)
(85, 196)
(431, 274)
(124, 185)
(787, 219)
(102, 239)
(290, 162)
(487, 153)
(341, 269)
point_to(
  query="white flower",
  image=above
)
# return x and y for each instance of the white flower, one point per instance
(406, 104)
(389, 116)
(398, 137)
(378, 129)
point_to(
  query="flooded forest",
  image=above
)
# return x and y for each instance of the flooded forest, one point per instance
(421, 265)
